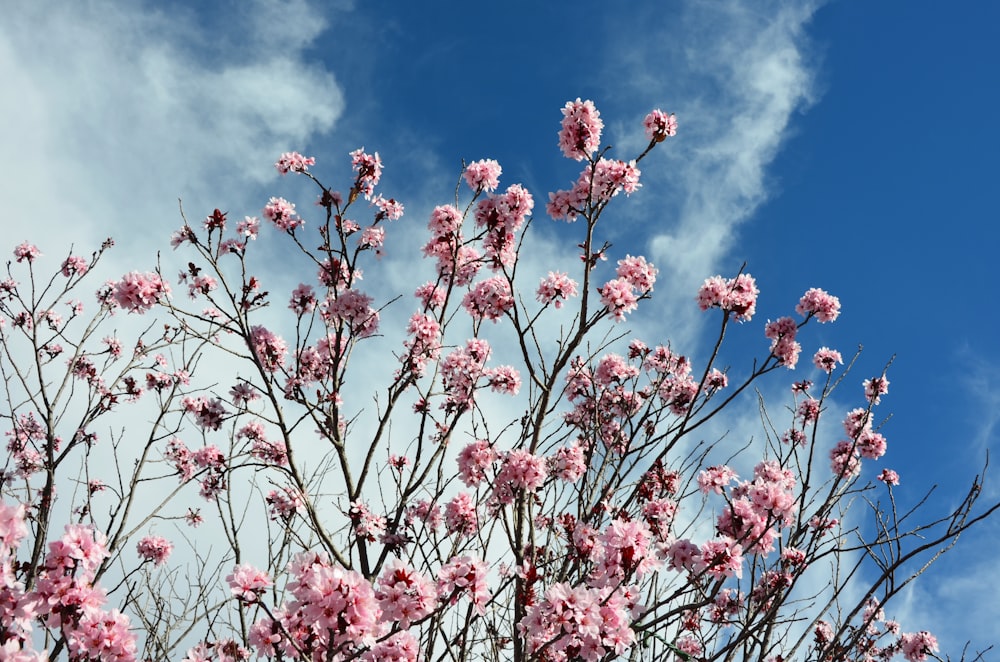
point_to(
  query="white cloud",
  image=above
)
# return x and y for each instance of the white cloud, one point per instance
(735, 73)
(121, 109)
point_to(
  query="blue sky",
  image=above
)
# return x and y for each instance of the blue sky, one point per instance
(846, 145)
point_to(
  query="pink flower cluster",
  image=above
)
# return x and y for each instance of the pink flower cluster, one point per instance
(826, 359)
(333, 612)
(502, 217)
(282, 213)
(483, 175)
(423, 345)
(489, 299)
(581, 623)
(369, 171)
(405, 595)
(293, 162)
(817, 303)
(635, 280)
(461, 370)
(596, 184)
(555, 288)
(352, 308)
(660, 125)
(580, 135)
(784, 347)
(26, 251)
(464, 575)
(155, 549)
(247, 583)
(137, 292)
(520, 470)
(461, 516)
(474, 460)
(64, 596)
(736, 295)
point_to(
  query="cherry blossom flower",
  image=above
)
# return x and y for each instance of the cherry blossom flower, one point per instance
(26, 251)
(817, 303)
(155, 549)
(889, 477)
(660, 125)
(483, 175)
(138, 293)
(293, 162)
(282, 213)
(917, 646)
(580, 135)
(247, 583)
(826, 359)
(875, 388)
(555, 288)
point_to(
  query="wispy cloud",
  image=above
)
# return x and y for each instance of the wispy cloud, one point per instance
(119, 109)
(736, 74)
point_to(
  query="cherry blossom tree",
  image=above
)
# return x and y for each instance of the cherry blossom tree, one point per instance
(565, 501)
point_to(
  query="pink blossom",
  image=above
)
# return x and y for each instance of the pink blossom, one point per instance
(483, 175)
(489, 299)
(388, 207)
(844, 460)
(247, 583)
(660, 125)
(353, 308)
(715, 479)
(856, 421)
(889, 477)
(826, 359)
(556, 287)
(580, 623)
(503, 379)
(102, 636)
(722, 558)
(521, 470)
(783, 345)
(608, 177)
(268, 347)
(461, 370)
(293, 162)
(430, 295)
(26, 251)
(876, 387)
(464, 575)
(917, 646)
(138, 292)
(208, 414)
(568, 463)
(367, 525)
(473, 461)
(619, 298)
(404, 595)
(400, 647)
(736, 295)
(871, 445)
(74, 265)
(283, 504)
(249, 227)
(580, 135)
(372, 237)
(817, 303)
(303, 300)
(282, 213)
(12, 527)
(155, 549)
(369, 170)
(637, 272)
(460, 515)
